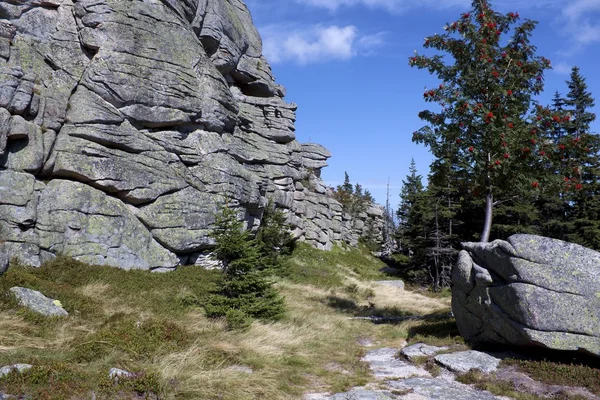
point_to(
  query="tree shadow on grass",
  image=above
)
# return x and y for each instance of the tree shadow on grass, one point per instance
(377, 315)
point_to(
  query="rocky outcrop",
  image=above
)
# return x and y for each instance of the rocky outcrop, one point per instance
(529, 291)
(124, 125)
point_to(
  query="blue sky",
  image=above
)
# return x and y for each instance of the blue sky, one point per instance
(345, 63)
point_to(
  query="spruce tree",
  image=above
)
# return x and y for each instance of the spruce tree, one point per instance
(246, 291)
(579, 101)
(273, 238)
(488, 124)
(344, 193)
(584, 216)
(411, 211)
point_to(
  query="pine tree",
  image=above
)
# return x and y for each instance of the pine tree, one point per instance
(246, 291)
(584, 216)
(410, 211)
(488, 125)
(273, 238)
(344, 193)
(579, 101)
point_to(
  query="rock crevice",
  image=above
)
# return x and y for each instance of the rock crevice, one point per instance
(125, 125)
(536, 292)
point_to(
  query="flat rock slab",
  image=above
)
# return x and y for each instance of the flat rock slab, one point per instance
(7, 369)
(439, 389)
(463, 361)
(37, 302)
(385, 365)
(354, 394)
(421, 350)
(395, 283)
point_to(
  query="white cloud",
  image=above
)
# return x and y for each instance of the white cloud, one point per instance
(562, 68)
(315, 44)
(581, 18)
(390, 5)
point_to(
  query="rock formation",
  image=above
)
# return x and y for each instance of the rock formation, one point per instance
(125, 124)
(529, 291)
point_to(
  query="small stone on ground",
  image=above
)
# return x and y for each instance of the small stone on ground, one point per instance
(37, 302)
(463, 361)
(116, 374)
(7, 369)
(421, 350)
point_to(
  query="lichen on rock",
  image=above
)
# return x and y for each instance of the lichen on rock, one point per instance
(528, 291)
(125, 124)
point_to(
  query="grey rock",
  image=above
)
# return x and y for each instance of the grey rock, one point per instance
(81, 222)
(356, 394)
(179, 221)
(4, 260)
(385, 365)
(154, 112)
(464, 361)
(38, 303)
(440, 389)
(117, 374)
(421, 350)
(205, 260)
(529, 291)
(7, 369)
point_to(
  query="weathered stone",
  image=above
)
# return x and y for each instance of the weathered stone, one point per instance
(7, 369)
(355, 394)
(385, 365)
(86, 107)
(116, 374)
(421, 350)
(529, 291)
(81, 222)
(38, 303)
(179, 221)
(156, 112)
(4, 260)
(439, 389)
(464, 361)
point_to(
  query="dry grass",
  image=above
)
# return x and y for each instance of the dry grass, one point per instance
(288, 358)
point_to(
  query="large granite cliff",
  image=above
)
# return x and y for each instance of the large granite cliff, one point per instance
(125, 123)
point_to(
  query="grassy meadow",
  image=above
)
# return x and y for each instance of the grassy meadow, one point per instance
(153, 325)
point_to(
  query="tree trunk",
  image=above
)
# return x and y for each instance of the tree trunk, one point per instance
(487, 226)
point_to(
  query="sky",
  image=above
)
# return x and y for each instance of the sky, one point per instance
(345, 63)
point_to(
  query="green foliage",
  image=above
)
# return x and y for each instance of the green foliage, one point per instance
(139, 340)
(237, 320)
(496, 386)
(489, 129)
(246, 286)
(47, 382)
(327, 269)
(560, 373)
(354, 199)
(411, 210)
(425, 229)
(63, 278)
(273, 238)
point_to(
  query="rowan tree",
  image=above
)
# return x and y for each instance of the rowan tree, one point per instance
(489, 124)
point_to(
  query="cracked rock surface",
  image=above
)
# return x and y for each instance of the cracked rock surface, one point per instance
(124, 125)
(529, 291)
(398, 378)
